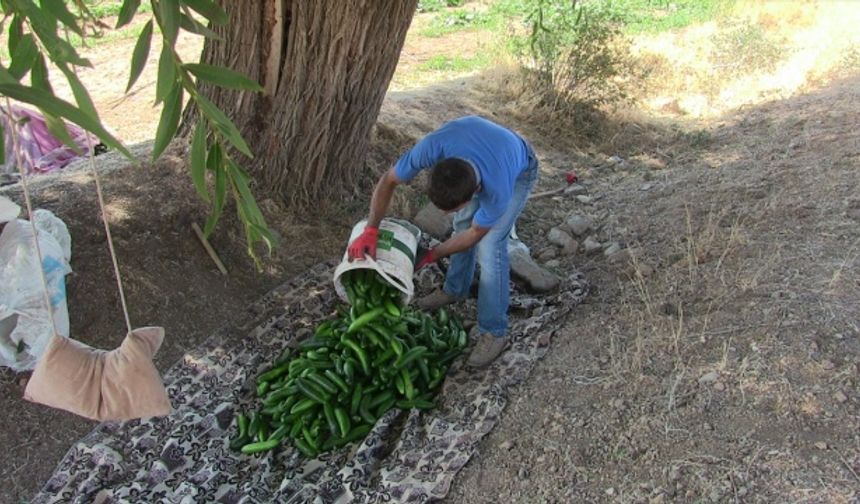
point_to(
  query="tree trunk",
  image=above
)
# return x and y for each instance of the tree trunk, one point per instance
(325, 66)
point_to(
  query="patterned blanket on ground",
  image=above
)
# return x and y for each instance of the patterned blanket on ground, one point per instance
(408, 457)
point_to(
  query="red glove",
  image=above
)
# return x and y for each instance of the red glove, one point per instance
(365, 244)
(426, 260)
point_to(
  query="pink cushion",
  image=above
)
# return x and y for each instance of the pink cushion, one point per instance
(117, 385)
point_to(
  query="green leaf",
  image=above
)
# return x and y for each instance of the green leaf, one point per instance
(210, 10)
(240, 181)
(215, 164)
(24, 56)
(198, 160)
(39, 77)
(140, 54)
(82, 96)
(168, 17)
(58, 9)
(224, 124)
(189, 24)
(55, 106)
(58, 128)
(127, 12)
(169, 121)
(166, 74)
(45, 27)
(6, 77)
(16, 31)
(221, 76)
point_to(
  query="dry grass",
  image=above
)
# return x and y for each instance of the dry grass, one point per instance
(788, 47)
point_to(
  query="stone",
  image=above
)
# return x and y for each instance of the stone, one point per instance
(559, 238)
(585, 200)
(553, 263)
(612, 249)
(828, 365)
(506, 445)
(575, 189)
(821, 445)
(719, 387)
(548, 254)
(524, 268)
(434, 222)
(709, 377)
(570, 248)
(591, 245)
(579, 224)
(646, 186)
(619, 257)
(840, 396)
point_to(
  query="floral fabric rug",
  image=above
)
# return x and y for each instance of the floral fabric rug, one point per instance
(408, 457)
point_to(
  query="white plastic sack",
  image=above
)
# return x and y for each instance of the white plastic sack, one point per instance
(25, 327)
(8, 209)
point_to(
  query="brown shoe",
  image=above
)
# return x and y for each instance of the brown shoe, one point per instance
(487, 349)
(436, 300)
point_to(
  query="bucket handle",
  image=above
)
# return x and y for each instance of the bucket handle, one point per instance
(379, 269)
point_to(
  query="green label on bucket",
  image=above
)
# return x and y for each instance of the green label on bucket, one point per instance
(387, 241)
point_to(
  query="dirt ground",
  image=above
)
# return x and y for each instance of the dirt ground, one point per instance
(721, 367)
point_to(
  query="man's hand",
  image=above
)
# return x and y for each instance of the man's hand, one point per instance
(425, 259)
(365, 244)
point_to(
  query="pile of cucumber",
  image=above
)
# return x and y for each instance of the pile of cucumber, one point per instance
(373, 356)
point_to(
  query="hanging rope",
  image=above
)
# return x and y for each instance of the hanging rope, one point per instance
(46, 295)
(107, 229)
(104, 214)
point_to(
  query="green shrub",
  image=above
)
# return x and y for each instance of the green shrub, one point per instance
(744, 47)
(849, 59)
(437, 5)
(460, 19)
(575, 56)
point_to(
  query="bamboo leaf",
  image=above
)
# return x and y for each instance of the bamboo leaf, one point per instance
(168, 17)
(214, 163)
(166, 74)
(58, 128)
(127, 12)
(224, 124)
(198, 160)
(58, 9)
(169, 121)
(246, 199)
(82, 96)
(39, 78)
(210, 10)
(55, 106)
(6, 77)
(16, 32)
(221, 76)
(189, 24)
(140, 54)
(24, 56)
(45, 26)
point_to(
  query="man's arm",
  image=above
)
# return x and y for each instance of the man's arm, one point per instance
(460, 241)
(382, 197)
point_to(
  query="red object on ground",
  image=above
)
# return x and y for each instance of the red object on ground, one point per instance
(571, 177)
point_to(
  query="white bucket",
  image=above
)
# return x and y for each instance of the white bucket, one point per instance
(395, 257)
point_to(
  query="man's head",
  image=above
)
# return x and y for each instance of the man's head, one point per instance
(452, 184)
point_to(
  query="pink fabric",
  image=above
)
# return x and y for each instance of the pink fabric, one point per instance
(41, 152)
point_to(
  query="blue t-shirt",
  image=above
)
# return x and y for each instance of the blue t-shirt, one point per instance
(498, 154)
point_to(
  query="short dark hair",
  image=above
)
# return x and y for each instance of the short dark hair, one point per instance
(452, 183)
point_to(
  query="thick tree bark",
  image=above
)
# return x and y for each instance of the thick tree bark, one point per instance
(325, 66)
